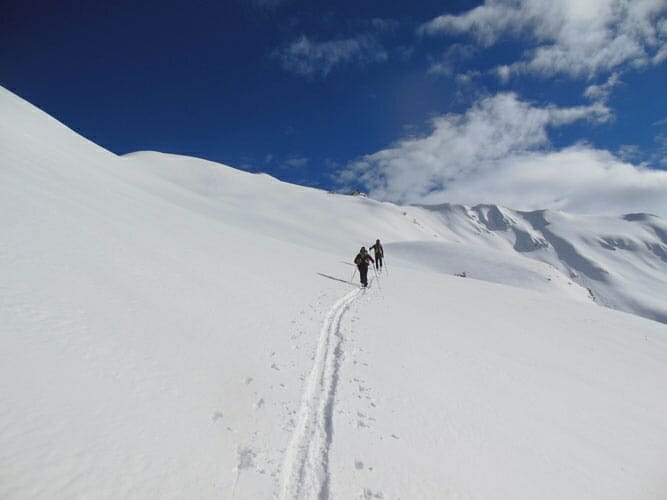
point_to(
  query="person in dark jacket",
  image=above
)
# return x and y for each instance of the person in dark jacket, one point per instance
(379, 254)
(361, 260)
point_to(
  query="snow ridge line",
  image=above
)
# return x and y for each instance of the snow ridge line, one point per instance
(306, 464)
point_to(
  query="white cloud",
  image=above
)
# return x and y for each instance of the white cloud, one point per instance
(661, 55)
(602, 92)
(309, 58)
(579, 38)
(629, 152)
(467, 77)
(499, 152)
(447, 62)
(441, 68)
(296, 161)
(659, 157)
(486, 22)
(504, 73)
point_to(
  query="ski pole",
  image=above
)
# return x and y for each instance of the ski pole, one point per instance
(377, 277)
(353, 275)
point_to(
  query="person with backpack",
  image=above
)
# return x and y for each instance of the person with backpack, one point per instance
(379, 254)
(361, 260)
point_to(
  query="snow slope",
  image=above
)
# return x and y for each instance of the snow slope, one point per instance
(175, 328)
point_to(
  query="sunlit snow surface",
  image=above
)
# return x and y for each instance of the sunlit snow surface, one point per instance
(175, 328)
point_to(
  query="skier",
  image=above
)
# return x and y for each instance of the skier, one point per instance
(379, 254)
(361, 260)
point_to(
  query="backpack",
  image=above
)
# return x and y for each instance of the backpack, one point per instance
(361, 260)
(377, 248)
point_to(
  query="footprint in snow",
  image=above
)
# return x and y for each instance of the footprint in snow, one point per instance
(245, 458)
(369, 494)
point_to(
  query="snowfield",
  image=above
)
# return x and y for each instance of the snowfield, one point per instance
(175, 328)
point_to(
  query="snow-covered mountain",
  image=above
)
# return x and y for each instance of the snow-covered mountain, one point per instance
(621, 260)
(175, 328)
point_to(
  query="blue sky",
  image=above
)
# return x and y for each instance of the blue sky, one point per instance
(535, 103)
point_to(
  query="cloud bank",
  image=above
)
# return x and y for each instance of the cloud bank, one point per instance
(499, 152)
(578, 38)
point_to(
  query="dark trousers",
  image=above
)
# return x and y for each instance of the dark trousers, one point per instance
(363, 274)
(378, 261)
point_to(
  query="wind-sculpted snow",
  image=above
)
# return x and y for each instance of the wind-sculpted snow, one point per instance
(621, 260)
(565, 251)
(175, 328)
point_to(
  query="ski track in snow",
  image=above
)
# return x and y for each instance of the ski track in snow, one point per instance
(306, 464)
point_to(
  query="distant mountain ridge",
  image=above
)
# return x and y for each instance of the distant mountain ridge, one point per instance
(622, 260)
